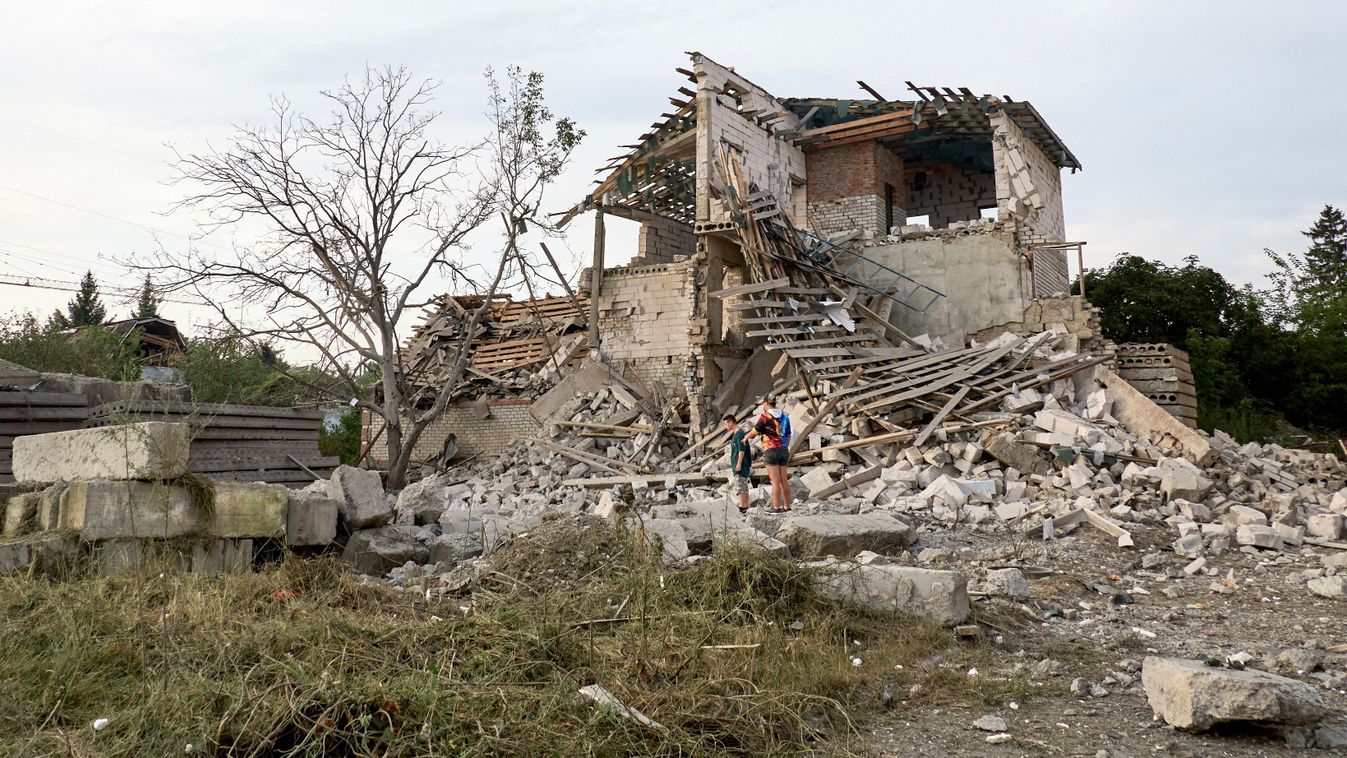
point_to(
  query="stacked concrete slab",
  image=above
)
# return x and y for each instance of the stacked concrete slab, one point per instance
(24, 412)
(118, 495)
(1161, 372)
(248, 443)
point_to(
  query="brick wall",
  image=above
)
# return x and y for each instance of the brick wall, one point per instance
(948, 194)
(661, 240)
(1028, 184)
(475, 430)
(771, 163)
(644, 317)
(846, 188)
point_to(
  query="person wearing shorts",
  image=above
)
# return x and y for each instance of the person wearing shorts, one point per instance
(741, 461)
(773, 428)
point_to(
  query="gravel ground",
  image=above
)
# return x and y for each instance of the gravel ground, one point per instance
(1097, 610)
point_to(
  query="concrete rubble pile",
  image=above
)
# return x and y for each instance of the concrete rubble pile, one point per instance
(1078, 452)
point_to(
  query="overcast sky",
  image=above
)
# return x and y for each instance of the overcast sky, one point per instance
(1205, 128)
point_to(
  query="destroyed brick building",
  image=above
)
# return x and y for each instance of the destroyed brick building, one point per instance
(939, 215)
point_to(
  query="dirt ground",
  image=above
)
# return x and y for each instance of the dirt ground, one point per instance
(1097, 611)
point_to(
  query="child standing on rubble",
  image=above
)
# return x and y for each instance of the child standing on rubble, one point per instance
(741, 461)
(774, 428)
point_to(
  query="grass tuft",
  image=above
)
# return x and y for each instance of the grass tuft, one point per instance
(735, 656)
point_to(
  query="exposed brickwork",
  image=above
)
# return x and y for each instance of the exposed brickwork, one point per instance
(1079, 317)
(947, 194)
(770, 163)
(645, 314)
(474, 429)
(1028, 185)
(661, 240)
(846, 188)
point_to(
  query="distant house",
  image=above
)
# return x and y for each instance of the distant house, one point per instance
(161, 344)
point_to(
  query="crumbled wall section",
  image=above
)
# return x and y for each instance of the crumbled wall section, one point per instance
(661, 240)
(770, 162)
(846, 188)
(645, 313)
(477, 429)
(1079, 317)
(947, 194)
(1028, 184)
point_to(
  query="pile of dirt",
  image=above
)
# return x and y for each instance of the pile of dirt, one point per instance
(562, 549)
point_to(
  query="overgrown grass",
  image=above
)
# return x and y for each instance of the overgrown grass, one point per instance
(305, 660)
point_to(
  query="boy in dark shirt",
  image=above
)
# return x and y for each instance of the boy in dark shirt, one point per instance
(741, 461)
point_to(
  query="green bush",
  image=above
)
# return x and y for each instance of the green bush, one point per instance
(344, 439)
(91, 351)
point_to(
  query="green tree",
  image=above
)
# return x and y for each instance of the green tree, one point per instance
(1148, 301)
(147, 306)
(1311, 289)
(85, 309)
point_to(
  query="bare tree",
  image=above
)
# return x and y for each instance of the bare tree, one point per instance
(353, 215)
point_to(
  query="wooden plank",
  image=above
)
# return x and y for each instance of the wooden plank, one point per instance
(803, 434)
(785, 319)
(606, 427)
(940, 415)
(614, 466)
(749, 289)
(818, 352)
(855, 480)
(749, 305)
(821, 342)
(883, 119)
(794, 331)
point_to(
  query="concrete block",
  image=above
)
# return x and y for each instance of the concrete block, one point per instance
(672, 539)
(746, 536)
(212, 557)
(377, 551)
(310, 518)
(844, 535)
(360, 497)
(21, 514)
(1258, 536)
(1192, 696)
(940, 596)
(1141, 416)
(1322, 525)
(1024, 458)
(248, 510)
(104, 510)
(47, 554)
(147, 450)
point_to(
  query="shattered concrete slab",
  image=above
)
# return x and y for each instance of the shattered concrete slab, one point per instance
(844, 535)
(939, 596)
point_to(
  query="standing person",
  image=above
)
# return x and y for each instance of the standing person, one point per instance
(741, 460)
(774, 428)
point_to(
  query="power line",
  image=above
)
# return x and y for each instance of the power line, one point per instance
(81, 139)
(37, 282)
(25, 193)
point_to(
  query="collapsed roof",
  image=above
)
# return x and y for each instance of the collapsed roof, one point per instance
(656, 174)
